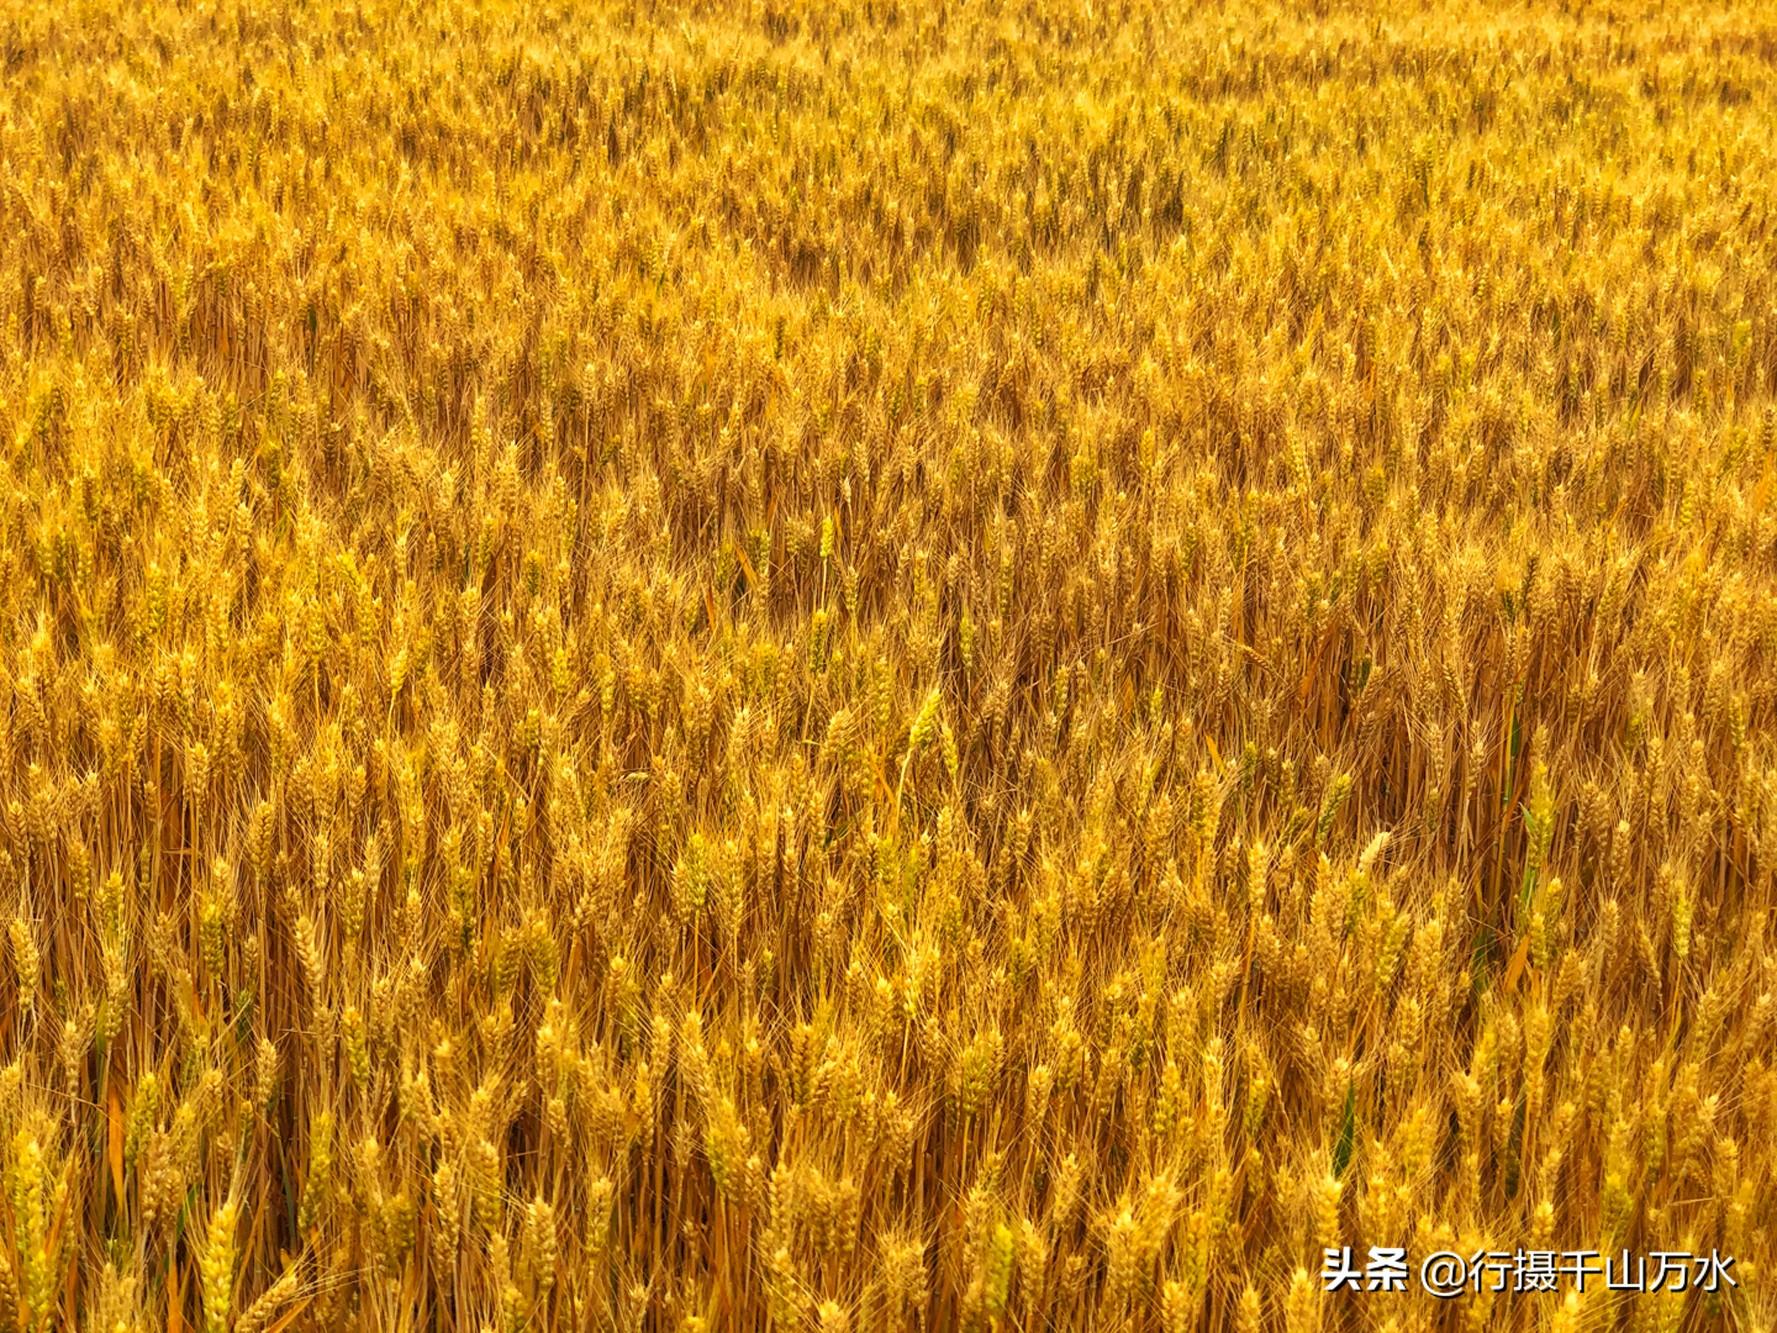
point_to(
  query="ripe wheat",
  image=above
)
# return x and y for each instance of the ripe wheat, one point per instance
(882, 664)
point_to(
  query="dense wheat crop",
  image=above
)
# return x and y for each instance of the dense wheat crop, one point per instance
(882, 665)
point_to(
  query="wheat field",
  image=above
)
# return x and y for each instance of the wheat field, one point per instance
(883, 664)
